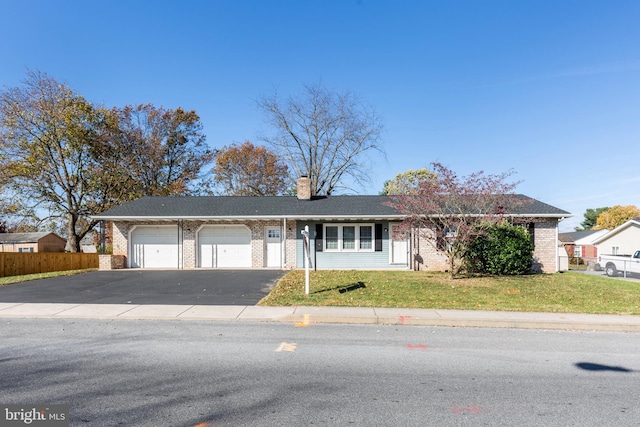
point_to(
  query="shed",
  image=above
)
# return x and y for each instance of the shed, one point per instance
(31, 242)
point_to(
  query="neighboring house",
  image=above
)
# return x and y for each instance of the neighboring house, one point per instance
(346, 232)
(579, 244)
(87, 244)
(622, 240)
(31, 242)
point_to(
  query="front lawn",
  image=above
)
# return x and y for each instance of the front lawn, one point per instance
(27, 277)
(561, 292)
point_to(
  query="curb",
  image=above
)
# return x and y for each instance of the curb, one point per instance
(302, 316)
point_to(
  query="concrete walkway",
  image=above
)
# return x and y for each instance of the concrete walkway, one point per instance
(305, 316)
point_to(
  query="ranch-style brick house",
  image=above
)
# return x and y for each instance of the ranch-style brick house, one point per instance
(346, 232)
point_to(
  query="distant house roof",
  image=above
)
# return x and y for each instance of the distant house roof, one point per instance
(631, 222)
(576, 236)
(23, 237)
(269, 207)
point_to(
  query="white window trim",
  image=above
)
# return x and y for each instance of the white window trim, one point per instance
(577, 251)
(340, 227)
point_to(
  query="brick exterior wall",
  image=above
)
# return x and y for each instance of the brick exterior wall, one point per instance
(426, 257)
(546, 241)
(189, 230)
(112, 262)
(189, 234)
(120, 235)
(290, 245)
(423, 254)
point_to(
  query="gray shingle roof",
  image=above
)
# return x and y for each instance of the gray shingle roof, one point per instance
(22, 237)
(227, 207)
(572, 236)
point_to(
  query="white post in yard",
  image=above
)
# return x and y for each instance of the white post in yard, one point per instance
(305, 240)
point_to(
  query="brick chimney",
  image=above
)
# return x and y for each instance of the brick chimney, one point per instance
(304, 188)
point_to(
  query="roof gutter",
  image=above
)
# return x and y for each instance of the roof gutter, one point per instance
(241, 218)
(293, 217)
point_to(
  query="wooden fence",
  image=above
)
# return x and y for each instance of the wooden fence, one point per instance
(17, 264)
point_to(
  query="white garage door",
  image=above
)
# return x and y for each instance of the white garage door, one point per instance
(154, 247)
(224, 246)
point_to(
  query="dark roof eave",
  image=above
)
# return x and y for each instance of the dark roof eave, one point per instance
(289, 217)
(241, 217)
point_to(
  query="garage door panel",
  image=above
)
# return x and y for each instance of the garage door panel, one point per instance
(225, 247)
(154, 247)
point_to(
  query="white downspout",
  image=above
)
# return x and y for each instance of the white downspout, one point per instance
(557, 251)
(283, 249)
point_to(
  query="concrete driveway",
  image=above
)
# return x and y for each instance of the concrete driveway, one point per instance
(185, 287)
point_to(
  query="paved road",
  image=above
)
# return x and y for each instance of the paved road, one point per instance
(142, 373)
(186, 287)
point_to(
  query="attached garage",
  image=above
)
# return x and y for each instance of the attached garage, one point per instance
(224, 246)
(155, 247)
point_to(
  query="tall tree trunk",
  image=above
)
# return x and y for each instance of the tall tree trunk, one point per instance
(72, 236)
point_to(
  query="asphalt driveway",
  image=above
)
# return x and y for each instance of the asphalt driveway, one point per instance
(185, 287)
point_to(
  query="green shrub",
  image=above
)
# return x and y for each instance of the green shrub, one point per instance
(504, 249)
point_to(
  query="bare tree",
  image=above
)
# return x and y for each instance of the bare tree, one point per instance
(326, 136)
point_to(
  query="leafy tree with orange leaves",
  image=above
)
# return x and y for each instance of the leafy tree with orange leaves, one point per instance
(249, 170)
(160, 152)
(47, 133)
(63, 159)
(616, 216)
(406, 182)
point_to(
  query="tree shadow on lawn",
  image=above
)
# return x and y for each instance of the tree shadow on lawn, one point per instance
(343, 289)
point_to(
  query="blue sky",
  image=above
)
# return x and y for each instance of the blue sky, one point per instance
(548, 88)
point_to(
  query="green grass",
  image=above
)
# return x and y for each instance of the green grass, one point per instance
(25, 278)
(561, 292)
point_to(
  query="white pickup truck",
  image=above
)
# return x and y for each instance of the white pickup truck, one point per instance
(614, 264)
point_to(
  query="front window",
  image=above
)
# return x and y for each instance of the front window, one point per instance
(331, 237)
(349, 237)
(366, 237)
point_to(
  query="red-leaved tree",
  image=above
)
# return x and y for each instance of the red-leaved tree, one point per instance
(453, 211)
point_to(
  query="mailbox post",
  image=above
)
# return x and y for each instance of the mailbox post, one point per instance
(305, 240)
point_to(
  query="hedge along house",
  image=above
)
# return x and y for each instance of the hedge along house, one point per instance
(346, 232)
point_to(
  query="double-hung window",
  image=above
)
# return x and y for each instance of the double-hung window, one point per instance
(366, 237)
(349, 237)
(331, 238)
